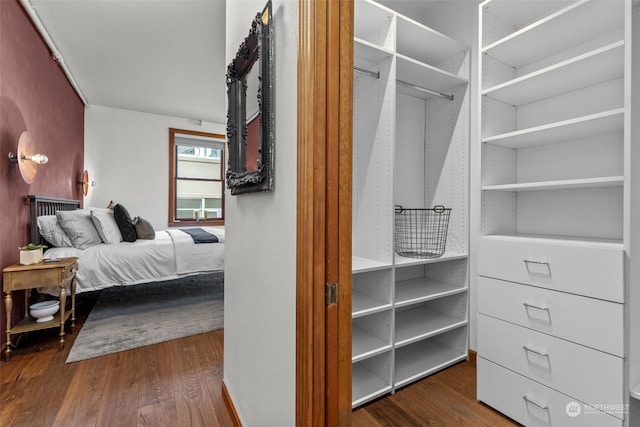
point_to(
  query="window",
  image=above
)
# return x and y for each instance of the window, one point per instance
(196, 178)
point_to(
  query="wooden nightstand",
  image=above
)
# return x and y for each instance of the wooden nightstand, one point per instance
(19, 277)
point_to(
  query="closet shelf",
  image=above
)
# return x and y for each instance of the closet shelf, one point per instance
(362, 265)
(549, 35)
(366, 385)
(366, 54)
(422, 323)
(372, 23)
(433, 47)
(564, 184)
(424, 289)
(401, 261)
(365, 345)
(421, 359)
(420, 74)
(597, 66)
(363, 305)
(567, 130)
(522, 13)
(553, 239)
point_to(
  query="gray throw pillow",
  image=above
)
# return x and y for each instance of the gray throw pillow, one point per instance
(106, 225)
(144, 229)
(79, 227)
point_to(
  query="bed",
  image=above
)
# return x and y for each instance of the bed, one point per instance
(173, 252)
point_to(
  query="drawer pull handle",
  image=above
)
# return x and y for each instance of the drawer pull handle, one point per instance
(543, 407)
(535, 351)
(538, 271)
(535, 306)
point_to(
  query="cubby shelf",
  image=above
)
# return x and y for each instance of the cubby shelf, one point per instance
(423, 358)
(596, 66)
(566, 130)
(363, 304)
(424, 289)
(361, 265)
(424, 322)
(549, 36)
(366, 345)
(366, 385)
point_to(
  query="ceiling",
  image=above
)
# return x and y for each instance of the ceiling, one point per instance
(157, 56)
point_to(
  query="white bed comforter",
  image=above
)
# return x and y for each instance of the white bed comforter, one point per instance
(172, 254)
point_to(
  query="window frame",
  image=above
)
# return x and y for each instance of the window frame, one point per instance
(173, 179)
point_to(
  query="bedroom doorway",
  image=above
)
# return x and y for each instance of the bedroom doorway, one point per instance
(323, 313)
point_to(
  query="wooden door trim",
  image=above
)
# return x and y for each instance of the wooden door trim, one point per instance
(325, 100)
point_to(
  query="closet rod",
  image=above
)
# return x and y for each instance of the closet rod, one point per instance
(425, 90)
(375, 74)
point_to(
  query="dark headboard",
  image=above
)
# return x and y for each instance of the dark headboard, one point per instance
(42, 205)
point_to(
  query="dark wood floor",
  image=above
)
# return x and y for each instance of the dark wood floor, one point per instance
(447, 398)
(178, 383)
(175, 383)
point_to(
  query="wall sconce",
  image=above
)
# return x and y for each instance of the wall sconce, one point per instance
(27, 158)
(86, 183)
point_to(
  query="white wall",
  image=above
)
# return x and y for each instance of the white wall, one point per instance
(260, 282)
(127, 155)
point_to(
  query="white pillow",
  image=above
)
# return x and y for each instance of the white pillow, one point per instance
(79, 227)
(51, 231)
(106, 225)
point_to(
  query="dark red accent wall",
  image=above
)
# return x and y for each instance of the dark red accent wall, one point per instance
(35, 96)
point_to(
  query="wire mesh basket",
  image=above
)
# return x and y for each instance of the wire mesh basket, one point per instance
(421, 233)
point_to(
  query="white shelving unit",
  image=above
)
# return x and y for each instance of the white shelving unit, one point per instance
(411, 147)
(555, 184)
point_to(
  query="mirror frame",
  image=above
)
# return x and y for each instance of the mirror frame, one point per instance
(257, 48)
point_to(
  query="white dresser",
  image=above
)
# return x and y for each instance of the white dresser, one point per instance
(550, 329)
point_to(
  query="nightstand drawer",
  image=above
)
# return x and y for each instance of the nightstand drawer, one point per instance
(589, 269)
(533, 404)
(589, 375)
(587, 321)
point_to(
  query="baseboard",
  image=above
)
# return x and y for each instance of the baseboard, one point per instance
(473, 355)
(230, 406)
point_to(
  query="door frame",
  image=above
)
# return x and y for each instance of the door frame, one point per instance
(324, 205)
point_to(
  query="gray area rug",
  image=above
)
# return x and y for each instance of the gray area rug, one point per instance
(129, 317)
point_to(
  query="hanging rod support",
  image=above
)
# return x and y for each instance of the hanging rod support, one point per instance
(375, 74)
(425, 90)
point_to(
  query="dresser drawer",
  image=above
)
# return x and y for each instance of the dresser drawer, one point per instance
(584, 268)
(589, 375)
(587, 321)
(506, 391)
